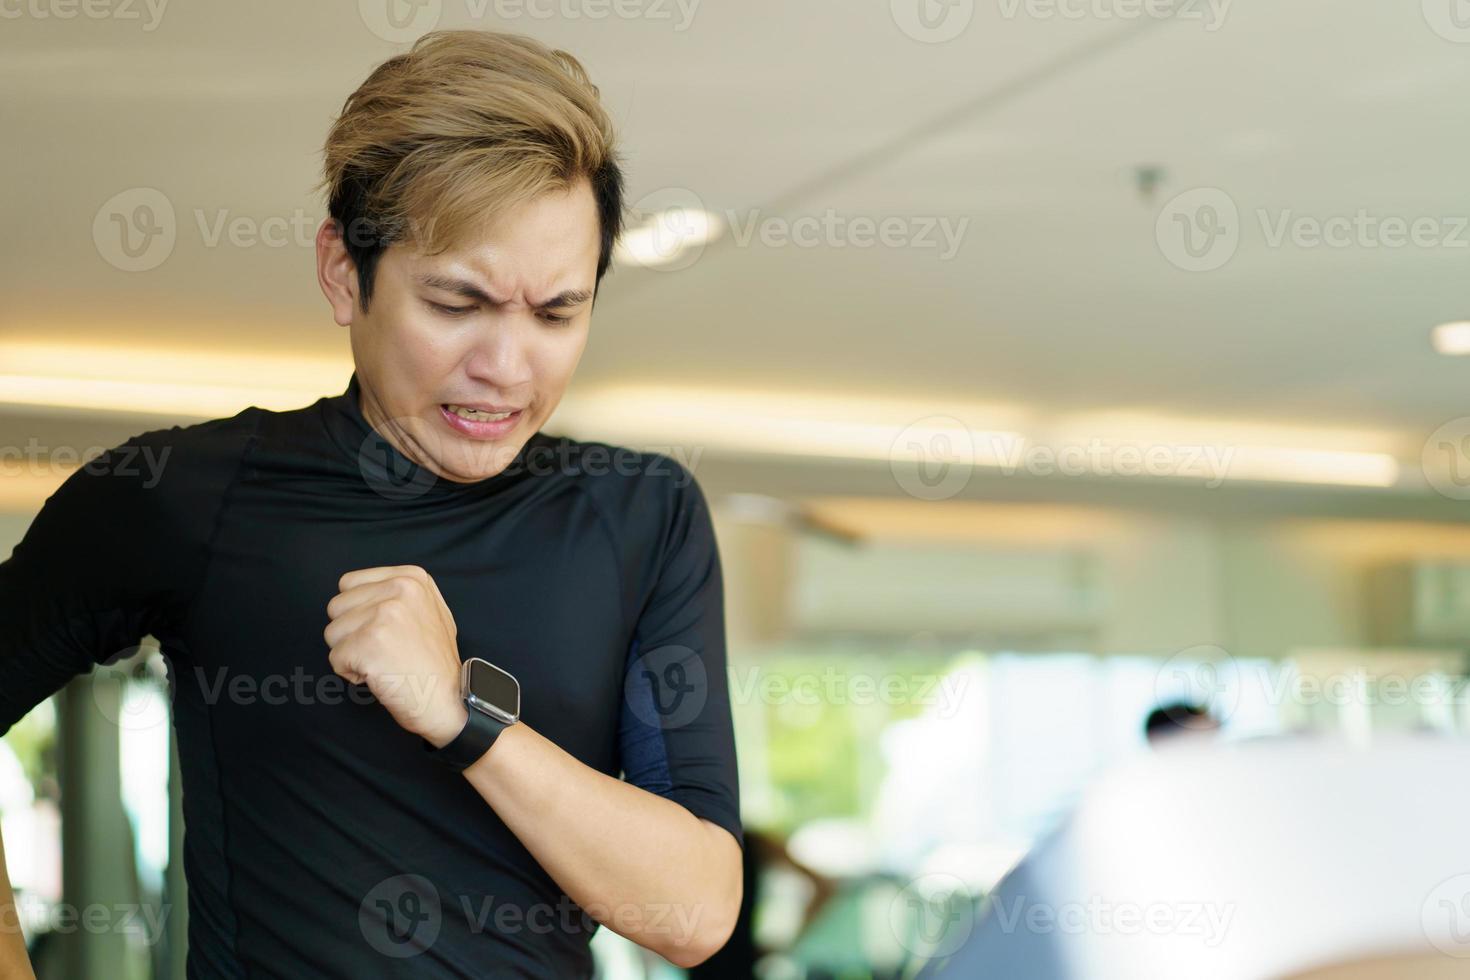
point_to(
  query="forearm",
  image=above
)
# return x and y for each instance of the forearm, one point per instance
(14, 963)
(641, 865)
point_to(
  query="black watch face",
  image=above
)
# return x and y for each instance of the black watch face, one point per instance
(494, 687)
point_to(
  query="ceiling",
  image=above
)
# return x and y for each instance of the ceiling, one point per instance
(1064, 296)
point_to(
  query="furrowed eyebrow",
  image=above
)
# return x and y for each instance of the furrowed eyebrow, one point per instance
(567, 297)
(467, 289)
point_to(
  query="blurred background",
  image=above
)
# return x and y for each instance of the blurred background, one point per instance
(1043, 361)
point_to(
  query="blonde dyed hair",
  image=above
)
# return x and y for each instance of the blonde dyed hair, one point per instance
(462, 127)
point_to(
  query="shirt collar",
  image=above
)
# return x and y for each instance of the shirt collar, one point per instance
(387, 470)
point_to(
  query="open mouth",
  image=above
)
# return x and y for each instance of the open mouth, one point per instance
(476, 414)
(479, 423)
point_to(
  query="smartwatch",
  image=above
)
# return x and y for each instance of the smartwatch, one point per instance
(492, 699)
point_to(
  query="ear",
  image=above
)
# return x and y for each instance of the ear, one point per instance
(336, 273)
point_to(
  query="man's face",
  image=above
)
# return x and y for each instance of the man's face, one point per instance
(455, 340)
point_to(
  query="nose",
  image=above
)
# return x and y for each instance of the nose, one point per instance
(500, 357)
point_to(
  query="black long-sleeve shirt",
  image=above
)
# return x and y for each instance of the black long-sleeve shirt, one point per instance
(321, 840)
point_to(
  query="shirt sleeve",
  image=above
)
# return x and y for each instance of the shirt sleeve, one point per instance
(676, 737)
(112, 556)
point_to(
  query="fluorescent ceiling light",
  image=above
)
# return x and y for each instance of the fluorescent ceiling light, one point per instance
(204, 384)
(781, 423)
(163, 381)
(667, 236)
(1283, 464)
(772, 422)
(1234, 450)
(1452, 338)
(973, 521)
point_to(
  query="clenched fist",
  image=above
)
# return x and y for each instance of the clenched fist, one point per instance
(391, 630)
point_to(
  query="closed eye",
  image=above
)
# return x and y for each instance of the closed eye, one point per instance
(449, 310)
(458, 311)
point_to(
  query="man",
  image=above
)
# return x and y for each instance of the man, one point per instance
(1166, 723)
(355, 803)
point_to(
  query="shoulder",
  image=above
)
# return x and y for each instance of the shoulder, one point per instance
(146, 505)
(178, 457)
(617, 476)
(152, 480)
(650, 499)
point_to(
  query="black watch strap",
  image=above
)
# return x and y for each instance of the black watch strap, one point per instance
(473, 741)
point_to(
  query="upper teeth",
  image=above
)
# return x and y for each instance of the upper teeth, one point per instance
(477, 415)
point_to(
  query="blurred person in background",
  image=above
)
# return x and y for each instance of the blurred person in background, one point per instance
(1180, 723)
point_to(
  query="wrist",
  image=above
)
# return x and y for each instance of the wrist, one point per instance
(512, 733)
(447, 726)
(491, 701)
